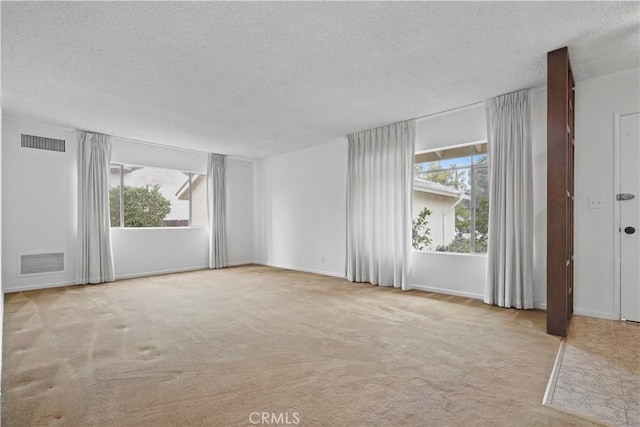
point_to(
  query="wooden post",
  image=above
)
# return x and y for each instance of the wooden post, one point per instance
(560, 191)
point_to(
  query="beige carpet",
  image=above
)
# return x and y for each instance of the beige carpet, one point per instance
(212, 347)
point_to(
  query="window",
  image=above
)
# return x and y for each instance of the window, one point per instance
(451, 200)
(143, 196)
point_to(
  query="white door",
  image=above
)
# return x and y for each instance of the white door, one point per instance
(630, 217)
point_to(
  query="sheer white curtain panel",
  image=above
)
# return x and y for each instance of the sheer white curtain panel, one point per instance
(379, 194)
(217, 210)
(94, 228)
(510, 252)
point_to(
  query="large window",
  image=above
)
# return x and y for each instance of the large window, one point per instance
(142, 196)
(451, 200)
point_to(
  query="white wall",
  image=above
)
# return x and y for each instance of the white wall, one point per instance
(125, 151)
(596, 102)
(449, 273)
(448, 129)
(39, 204)
(147, 251)
(40, 210)
(240, 211)
(300, 209)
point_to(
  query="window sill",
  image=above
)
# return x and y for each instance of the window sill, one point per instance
(157, 228)
(483, 255)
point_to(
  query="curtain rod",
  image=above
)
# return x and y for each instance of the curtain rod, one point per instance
(451, 110)
(170, 147)
(155, 144)
(464, 107)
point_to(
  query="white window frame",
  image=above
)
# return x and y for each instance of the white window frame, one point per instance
(472, 212)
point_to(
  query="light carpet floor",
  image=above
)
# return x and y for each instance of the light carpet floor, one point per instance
(599, 375)
(209, 348)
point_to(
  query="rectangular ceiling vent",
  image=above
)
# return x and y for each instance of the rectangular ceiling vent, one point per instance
(42, 143)
(41, 263)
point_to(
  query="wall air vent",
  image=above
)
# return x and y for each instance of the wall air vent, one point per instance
(41, 263)
(42, 143)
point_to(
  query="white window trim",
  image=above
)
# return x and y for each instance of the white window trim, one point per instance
(472, 195)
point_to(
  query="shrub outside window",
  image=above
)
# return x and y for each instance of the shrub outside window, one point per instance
(143, 196)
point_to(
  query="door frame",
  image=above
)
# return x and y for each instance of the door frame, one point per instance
(617, 285)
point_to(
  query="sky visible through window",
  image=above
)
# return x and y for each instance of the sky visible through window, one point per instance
(458, 162)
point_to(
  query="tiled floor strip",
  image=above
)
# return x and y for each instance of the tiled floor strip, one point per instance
(553, 378)
(599, 374)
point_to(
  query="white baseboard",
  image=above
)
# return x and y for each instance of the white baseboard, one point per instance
(237, 263)
(118, 277)
(38, 286)
(159, 272)
(537, 305)
(305, 270)
(598, 314)
(448, 292)
(583, 312)
(540, 305)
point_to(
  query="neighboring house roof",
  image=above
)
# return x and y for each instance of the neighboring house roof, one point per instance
(421, 184)
(183, 191)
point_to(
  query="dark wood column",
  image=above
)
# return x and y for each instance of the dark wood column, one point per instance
(560, 191)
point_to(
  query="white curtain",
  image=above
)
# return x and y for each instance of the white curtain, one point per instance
(217, 208)
(94, 228)
(510, 253)
(379, 196)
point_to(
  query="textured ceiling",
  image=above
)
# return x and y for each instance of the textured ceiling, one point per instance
(257, 79)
